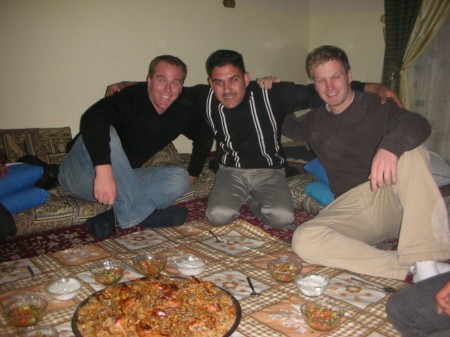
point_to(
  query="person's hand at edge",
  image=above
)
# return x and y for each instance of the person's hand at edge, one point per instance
(443, 300)
(383, 171)
(105, 187)
(193, 180)
(117, 87)
(383, 92)
(266, 82)
(3, 170)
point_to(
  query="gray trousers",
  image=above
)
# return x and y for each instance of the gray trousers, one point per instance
(265, 191)
(412, 311)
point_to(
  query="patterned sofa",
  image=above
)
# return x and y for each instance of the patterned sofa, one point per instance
(62, 210)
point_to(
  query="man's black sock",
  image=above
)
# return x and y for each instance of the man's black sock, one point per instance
(102, 225)
(168, 217)
(7, 224)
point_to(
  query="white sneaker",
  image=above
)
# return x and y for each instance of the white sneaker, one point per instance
(426, 269)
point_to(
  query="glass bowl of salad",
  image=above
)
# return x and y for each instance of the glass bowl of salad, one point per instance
(322, 315)
(108, 272)
(284, 269)
(150, 264)
(23, 311)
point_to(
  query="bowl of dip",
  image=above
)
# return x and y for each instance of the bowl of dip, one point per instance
(64, 289)
(190, 265)
(312, 285)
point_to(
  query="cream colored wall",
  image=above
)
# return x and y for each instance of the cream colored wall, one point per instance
(58, 55)
(353, 25)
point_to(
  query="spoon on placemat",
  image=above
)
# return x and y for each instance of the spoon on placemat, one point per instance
(253, 293)
(215, 236)
(388, 290)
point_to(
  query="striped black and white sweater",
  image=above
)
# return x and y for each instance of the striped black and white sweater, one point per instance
(248, 136)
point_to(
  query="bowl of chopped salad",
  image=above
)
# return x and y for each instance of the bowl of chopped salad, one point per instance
(322, 315)
(108, 272)
(150, 264)
(284, 269)
(24, 311)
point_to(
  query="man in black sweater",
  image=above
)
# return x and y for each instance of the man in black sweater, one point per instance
(119, 133)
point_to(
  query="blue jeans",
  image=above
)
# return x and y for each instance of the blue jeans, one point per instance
(412, 311)
(139, 191)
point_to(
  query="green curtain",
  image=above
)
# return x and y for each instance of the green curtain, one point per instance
(400, 17)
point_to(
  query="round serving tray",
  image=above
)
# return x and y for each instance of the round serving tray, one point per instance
(228, 334)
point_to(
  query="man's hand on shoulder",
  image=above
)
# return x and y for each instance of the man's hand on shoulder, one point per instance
(383, 92)
(383, 171)
(266, 82)
(117, 87)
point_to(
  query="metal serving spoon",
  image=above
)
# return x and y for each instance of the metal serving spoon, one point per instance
(388, 290)
(253, 293)
(215, 236)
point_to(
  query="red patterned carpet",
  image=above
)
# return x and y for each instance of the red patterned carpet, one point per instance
(51, 241)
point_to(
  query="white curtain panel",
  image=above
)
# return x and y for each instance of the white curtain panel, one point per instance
(428, 84)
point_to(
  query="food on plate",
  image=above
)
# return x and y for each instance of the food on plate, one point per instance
(158, 306)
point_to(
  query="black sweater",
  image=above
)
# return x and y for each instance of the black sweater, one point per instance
(142, 131)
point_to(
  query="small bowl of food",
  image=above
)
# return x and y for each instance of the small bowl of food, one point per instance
(64, 288)
(190, 265)
(284, 269)
(39, 331)
(150, 264)
(24, 311)
(108, 272)
(312, 285)
(322, 315)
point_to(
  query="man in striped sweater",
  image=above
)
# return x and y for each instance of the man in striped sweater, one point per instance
(246, 120)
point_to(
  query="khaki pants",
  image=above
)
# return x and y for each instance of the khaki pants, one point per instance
(342, 234)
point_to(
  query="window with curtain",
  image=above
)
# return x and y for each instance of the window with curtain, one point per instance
(428, 91)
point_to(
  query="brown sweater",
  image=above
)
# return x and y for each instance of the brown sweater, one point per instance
(346, 143)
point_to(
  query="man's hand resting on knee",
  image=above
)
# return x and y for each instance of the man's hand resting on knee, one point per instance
(105, 188)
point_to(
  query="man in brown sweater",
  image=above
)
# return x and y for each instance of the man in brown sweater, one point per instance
(378, 169)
